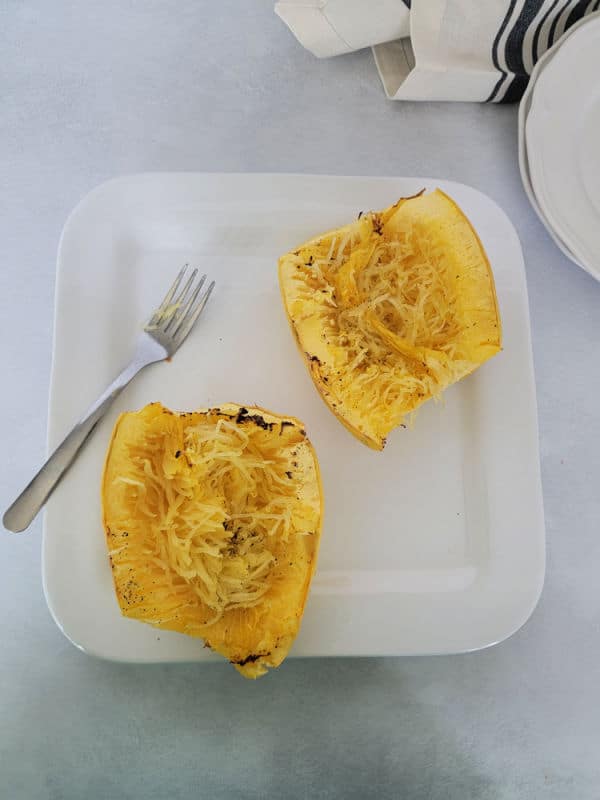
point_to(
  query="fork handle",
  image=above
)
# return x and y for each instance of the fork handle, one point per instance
(22, 512)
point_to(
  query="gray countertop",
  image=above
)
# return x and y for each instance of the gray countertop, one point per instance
(90, 91)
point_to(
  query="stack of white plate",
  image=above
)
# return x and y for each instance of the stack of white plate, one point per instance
(559, 143)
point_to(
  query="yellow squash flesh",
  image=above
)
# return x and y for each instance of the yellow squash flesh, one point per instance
(212, 522)
(391, 310)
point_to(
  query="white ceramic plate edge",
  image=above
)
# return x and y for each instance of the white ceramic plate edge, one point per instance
(531, 163)
(524, 108)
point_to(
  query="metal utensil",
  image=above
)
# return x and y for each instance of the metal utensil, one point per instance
(161, 337)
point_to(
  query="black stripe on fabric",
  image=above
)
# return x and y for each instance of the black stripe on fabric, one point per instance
(577, 13)
(552, 31)
(536, 38)
(515, 40)
(496, 89)
(407, 3)
(495, 44)
(515, 91)
(514, 43)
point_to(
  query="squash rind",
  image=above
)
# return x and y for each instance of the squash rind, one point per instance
(253, 638)
(316, 293)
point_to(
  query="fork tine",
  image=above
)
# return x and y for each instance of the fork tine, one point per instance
(177, 310)
(191, 316)
(157, 316)
(183, 312)
(182, 295)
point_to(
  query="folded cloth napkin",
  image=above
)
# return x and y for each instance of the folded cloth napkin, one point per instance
(477, 50)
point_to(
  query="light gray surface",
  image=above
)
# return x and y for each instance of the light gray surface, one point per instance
(94, 90)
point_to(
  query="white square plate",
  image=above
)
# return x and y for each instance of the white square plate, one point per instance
(435, 545)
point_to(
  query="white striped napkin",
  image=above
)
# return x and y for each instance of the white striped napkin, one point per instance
(439, 49)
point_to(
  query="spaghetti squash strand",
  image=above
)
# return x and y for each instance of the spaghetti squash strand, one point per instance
(213, 496)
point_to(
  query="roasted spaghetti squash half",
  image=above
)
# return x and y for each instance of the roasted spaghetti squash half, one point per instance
(212, 521)
(390, 310)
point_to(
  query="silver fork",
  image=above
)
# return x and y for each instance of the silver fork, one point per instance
(161, 337)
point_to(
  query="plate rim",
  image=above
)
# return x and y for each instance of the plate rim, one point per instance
(523, 156)
(528, 131)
